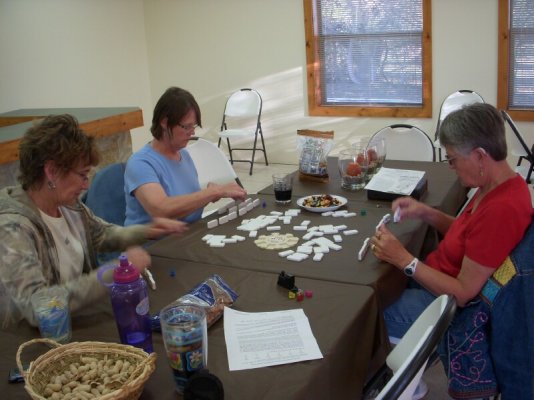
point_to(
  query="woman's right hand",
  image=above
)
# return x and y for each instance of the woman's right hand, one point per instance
(138, 257)
(409, 208)
(229, 190)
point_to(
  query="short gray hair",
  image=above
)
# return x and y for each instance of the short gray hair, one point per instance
(472, 126)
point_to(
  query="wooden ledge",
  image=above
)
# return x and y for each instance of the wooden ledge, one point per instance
(97, 122)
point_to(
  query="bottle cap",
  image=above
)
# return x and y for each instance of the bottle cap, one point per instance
(125, 272)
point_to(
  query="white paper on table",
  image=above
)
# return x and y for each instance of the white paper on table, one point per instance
(399, 181)
(255, 340)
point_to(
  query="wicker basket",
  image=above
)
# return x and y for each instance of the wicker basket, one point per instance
(58, 360)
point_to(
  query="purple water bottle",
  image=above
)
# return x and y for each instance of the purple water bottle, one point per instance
(129, 299)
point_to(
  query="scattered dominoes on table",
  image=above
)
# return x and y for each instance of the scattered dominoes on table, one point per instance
(315, 243)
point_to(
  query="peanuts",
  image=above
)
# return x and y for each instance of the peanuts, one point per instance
(88, 378)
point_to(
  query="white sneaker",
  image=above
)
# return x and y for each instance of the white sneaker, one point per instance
(421, 390)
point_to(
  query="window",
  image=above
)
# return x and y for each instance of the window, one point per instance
(368, 57)
(516, 58)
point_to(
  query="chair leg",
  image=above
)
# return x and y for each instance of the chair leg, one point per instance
(219, 144)
(263, 144)
(530, 172)
(253, 152)
(230, 151)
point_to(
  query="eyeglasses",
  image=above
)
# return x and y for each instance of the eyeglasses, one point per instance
(450, 160)
(85, 177)
(188, 128)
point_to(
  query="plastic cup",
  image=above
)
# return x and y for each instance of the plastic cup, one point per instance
(51, 308)
(353, 165)
(185, 335)
(283, 186)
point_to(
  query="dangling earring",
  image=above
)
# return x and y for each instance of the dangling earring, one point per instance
(481, 172)
(51, 185)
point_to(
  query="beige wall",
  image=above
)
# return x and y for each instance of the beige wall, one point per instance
(73, 53)
(127, 52)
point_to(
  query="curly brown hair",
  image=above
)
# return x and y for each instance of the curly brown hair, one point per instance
(56, 138)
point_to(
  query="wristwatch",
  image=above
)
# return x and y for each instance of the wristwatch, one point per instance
(411, 267)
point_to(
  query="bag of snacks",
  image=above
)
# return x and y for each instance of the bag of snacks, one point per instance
(213, 295)
(313, 147)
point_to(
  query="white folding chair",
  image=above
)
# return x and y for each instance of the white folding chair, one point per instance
(520, 149)
(406, 142)
(211, 163)
(242, 106)
(410, 356)
(453, 102)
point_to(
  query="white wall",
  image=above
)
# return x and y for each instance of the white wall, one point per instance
(74, 53)
(80, 53)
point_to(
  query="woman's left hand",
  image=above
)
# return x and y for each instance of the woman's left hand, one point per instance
(386, 247)
(166, 226)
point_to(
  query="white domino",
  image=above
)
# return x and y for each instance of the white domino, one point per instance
(273, 228)
(397, 216)
(304, 249)
(253, 234)
(256, 202)
(232, 216)
(299, 228)
(305, 222)
(239, 238)
(297, 257)
(338, 238)
(223, 219)
(351, 214)
(350, 232)
(327, 213)
(363, 250)
(213, 223)
(318, 256)
(385, 220)
(285, 253)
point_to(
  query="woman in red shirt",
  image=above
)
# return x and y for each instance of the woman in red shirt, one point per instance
(476, 242)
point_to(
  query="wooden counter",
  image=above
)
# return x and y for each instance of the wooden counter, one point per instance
(111, 126)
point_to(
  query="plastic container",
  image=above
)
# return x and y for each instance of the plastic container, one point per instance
(129, 299)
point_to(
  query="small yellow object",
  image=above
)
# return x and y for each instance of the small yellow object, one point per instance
(291, 295)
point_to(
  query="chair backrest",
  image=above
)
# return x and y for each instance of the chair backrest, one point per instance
(211, 163)
(105, 196)
(455, 101)
(406, 142)
(408, 359)
(244, 103)
(518, 146)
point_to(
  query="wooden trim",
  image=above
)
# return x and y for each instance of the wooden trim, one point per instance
(503, 52)
(9, 151)
(313, 76)
(116, 123)
(503, 66)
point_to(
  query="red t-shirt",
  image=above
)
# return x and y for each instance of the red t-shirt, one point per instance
(489, 234)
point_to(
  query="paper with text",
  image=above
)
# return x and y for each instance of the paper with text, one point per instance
(400, 181)
(255, 340)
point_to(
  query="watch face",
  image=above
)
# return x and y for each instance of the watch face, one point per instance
(409, 270)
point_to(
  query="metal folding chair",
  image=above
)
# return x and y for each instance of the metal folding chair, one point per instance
(245, 104)
(406, 142)
(520, 148)
(452, 102)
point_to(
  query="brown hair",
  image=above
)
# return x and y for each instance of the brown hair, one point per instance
(174, 104)
(56, 138)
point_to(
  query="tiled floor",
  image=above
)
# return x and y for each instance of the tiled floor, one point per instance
(262, 177)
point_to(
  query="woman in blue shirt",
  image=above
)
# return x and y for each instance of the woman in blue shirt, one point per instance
(161, 179)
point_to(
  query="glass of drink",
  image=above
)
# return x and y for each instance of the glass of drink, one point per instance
(353, 165)
(185, 335)
(283, 185)
(51, 308)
